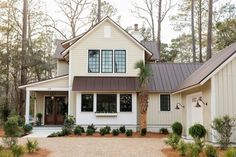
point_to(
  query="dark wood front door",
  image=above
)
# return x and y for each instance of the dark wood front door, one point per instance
(55, 110)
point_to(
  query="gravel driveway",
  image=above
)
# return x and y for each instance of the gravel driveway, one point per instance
(101, 147)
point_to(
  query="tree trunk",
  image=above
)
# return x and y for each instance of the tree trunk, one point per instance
(8, 58)
(209, 31)
(159, 28)
(23, 56)
(143, 95)
(200, 30)
(193, 32)
(99, 11)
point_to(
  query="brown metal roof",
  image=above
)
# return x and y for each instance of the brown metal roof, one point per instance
(165, 77)
(105, 83)
(152, 46)
(207, 68)
(59, 49)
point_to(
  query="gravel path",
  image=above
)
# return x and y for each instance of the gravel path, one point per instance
(101, 147)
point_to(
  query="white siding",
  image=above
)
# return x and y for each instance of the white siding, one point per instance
(62, 68)
(157, 119)
(225, 91)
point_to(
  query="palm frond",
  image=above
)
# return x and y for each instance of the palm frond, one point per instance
(144, 73)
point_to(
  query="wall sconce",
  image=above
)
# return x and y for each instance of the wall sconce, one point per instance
(52, 96)
(177, 106)
(200, 100)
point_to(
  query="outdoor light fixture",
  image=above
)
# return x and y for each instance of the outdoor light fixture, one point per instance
(200, 100)
(177, 106)
(51, 94)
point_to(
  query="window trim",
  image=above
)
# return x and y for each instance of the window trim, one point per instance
(112, 71)
(131, 103)
(82, 103)
(98, 61)
(96, 103)
(160, 102)
(115, 60)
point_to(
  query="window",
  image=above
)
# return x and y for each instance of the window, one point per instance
(120, 61)
(125, 102)
(87, 103)
(165, 102)
(107, 61)
(106, 103)
(93, 61)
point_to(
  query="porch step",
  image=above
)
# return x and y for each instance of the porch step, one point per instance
(47, 128)
(43, 131)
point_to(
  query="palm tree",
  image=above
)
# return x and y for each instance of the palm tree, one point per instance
(143, 77)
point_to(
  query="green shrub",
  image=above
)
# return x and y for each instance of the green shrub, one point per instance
(177, 128)
(27, 128)
(108, 129)
(20, 121)
(172, 140)
(69, 122)
(17, 150)
(193, 150)
(115, 132)
(11, 127)
(54, 134)
(89, 132)
(223, 126)
(231, 152)
(65, 131)
(164, 131)
(197, 131)
(4, 112)
(129, 132)
(182, 148)
(39, 118)
(80, 127)
(210, 151)
(102, 131)
(32, 146)
(122, 129)
(143, 132)
(92, 127)
(78, 130)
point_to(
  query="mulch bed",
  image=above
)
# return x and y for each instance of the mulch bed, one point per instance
(169, 152)
(135, 135)
(39, 153)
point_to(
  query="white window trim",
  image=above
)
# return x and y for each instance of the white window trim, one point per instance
(160, 102)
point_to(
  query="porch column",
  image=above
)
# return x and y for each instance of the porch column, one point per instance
(27, 106)
(78, 107)
(213, 106)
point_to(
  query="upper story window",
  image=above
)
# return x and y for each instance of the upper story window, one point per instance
(120, 61)
(164, 102)
(107, 61)
(94, 61)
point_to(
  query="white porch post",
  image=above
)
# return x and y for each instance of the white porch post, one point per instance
(213, 106)
(78, 107)
(27, 106)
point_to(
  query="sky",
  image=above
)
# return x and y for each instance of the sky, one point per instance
(128, 18)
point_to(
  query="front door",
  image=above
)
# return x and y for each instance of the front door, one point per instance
(194, 114)
(55, 110)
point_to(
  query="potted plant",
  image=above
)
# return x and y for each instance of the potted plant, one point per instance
(39, 119)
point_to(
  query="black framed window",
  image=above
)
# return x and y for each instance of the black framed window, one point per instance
(87, 103)
(106, 103)
(125, 102)
(164, 102)
(120, 61)
(93, 61)
(107, 61)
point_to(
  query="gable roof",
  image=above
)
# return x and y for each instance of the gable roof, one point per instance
(165, 77)
(59, 49)
(152, 46)
(66, 51)
(204, 73)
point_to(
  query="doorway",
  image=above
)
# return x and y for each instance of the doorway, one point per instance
(55, 110)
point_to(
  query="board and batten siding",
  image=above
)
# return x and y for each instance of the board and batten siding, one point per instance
(157, 119)
(225, 84)
(62, 68)
(205, 90)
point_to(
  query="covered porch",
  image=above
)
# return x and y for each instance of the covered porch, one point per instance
(50, 98)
